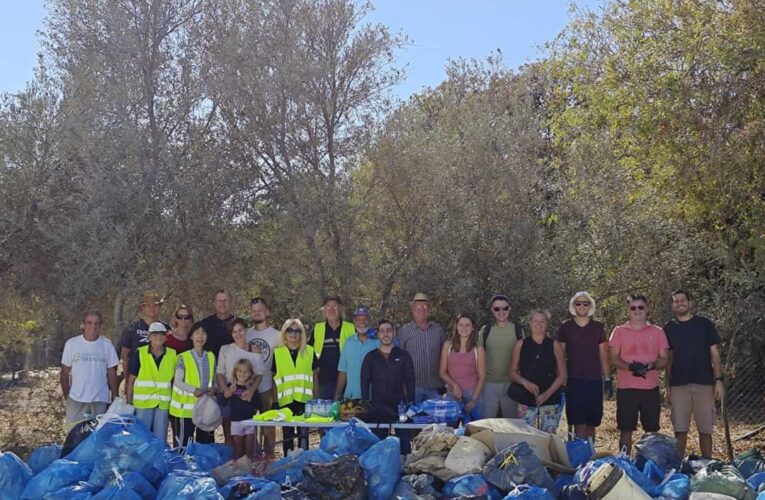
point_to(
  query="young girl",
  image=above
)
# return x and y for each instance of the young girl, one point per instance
(242, 394)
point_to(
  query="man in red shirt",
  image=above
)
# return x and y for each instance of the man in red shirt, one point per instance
(638, 350)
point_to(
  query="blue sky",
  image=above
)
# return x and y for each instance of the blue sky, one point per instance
(438, 29)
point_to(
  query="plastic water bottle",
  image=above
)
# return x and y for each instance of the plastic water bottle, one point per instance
(326, 405)
(401, 412)
(309, 408)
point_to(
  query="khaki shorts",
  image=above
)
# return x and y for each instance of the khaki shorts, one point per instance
(693, 399)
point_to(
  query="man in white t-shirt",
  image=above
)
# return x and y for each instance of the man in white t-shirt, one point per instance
(266, 338)
(88, 370)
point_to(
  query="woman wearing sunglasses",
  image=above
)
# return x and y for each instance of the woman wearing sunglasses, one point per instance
(295, 378)
(178, 337)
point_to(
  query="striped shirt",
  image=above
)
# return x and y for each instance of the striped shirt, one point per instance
(203, 368)
(424, 346)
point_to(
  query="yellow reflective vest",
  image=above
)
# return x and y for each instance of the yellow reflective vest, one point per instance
(347, 330)
(151, 388)
(293, 380)
(182, 402)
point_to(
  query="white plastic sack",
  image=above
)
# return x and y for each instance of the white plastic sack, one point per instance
(206, 413)
(120, 407)
(467, 456)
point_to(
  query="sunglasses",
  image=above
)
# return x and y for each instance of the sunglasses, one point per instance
(497, 309)
(637, 308)
(256, 300)
(296, 331)
(586, 304)
(183, 316)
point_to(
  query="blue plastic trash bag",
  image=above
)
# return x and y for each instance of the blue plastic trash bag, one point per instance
(517, 464)
(676, 487)
(131, 486)
(382, 468)
(76, 436)
(442, 410)
(124, 444)
(660, 448)
(625, 464)
(188, 485)
(579, 451)
(652, 472)
(561, 481)
(471, 485)
(749, 463)
(85, 453)
(14, 476)
(60, 473)
(756, 480)
(526, 492)
(225, 452)
(251, 488)
(206, 456)
(291, 467)
(353, 438)
(79, 491)
(43, 457)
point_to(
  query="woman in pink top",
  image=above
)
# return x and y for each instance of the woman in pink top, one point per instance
(463, 365)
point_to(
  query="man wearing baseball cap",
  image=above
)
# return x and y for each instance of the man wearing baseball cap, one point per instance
(137, 333)
(423, 339)
(353, 354)
(328, 339)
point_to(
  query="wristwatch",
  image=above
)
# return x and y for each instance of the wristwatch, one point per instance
(721, 378)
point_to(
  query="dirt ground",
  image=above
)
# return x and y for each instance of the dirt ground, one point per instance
(32, 415)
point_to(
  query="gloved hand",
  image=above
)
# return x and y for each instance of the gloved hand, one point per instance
(638, 369)
(608, 388)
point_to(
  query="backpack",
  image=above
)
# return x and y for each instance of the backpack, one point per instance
(486, 329)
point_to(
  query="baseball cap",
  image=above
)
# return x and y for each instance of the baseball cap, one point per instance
(363, 311)
(157, 327)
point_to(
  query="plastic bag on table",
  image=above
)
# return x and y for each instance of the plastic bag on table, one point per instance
(526, 492)
(471, 485)
(124, 445)
(76, 437)
(79, 491)
(206, 414)
(677, 486)
(382, 467)
(660, 448)
(353, 438)
(442, 410)
(467, 456)
(251, 488)
(43, 457)
(60, 473)
(206, 456)
(290, 468)
(14, 476)
(188, 485)
(517, 464)
(718, 477)
(341, 478)
(750, 463)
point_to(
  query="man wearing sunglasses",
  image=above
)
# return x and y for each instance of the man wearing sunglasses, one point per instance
(638, 350)
(499, 338)
(584, 341)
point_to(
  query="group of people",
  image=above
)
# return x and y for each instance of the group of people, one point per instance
(497, 369)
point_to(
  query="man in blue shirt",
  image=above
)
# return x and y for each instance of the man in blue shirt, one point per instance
(352, 356)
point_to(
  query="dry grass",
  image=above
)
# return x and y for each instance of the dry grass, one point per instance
(32, 415)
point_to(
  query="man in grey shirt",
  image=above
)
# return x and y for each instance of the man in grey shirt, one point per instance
(266, 338)
(423, 340)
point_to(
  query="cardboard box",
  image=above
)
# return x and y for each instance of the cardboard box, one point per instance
(499, 433)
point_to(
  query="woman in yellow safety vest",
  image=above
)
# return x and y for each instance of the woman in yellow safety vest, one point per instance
(194, 376)
(151, 372)
(295, 378)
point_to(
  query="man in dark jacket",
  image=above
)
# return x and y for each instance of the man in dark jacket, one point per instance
(388, 375)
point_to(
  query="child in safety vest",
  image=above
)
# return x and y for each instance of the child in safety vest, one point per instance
(243, 400)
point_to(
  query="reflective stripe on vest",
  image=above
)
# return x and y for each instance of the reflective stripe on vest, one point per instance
(182, 402)
(293, 380)
(347, 330)
(151, 388)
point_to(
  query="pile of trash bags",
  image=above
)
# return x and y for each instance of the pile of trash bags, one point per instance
(116, 457)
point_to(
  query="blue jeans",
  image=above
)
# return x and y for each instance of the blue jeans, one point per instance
(421, 394)
(155, 420)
